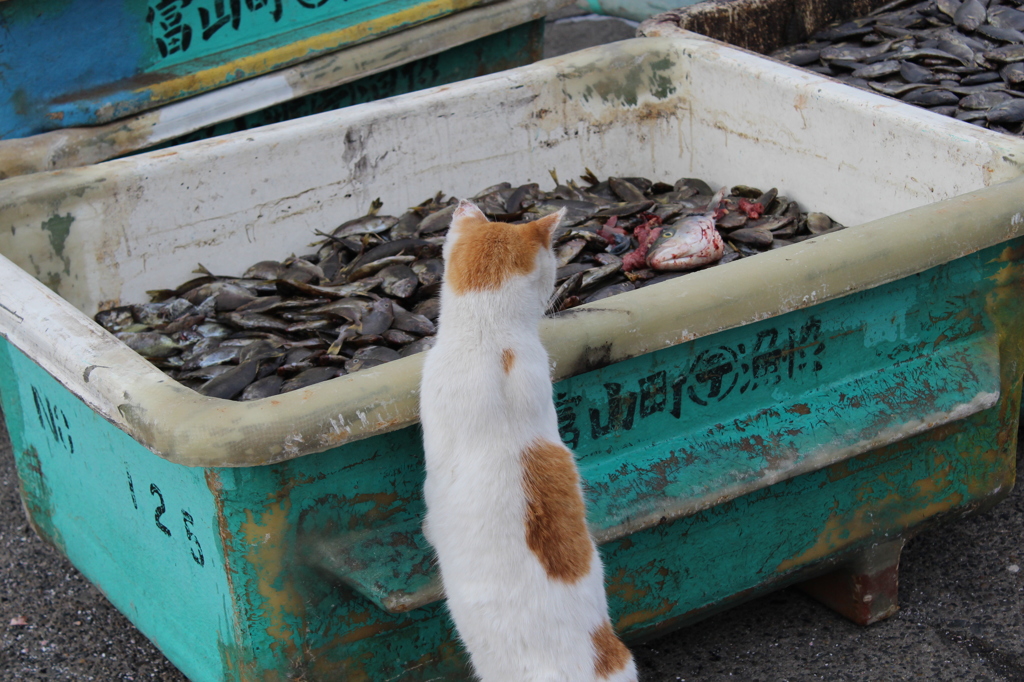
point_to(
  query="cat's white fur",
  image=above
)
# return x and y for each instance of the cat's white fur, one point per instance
(517, 623)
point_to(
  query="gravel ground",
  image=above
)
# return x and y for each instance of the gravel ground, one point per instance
(961, 597)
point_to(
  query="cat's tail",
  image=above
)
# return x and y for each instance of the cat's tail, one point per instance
(627, 674)
(614, 662)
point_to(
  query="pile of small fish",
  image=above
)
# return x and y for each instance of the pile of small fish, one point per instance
(961, 59)
(367, 292)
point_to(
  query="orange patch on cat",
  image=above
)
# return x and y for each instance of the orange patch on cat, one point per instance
(556, 526)
(612, 654)
(508, 358)
(486, 254)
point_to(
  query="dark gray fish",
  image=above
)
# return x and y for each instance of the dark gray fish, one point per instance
(301, 270)
(1013, 73)
(731, 221)
(115, 319)
(397, 338)
(369, 268)
(780, 226)
(1002, 34)
(818, 223)
(610, 291)
(1006, 54)
(521, 197)
(948, 7)
(692, 186)
(396, 247)
(204, 373)
(970, 15)
(799, 57)
(593, 276)
(269, 385)
(755, 236)
(1001, 16)
(565, 271)
(150, 344)
(435, 222)
(378, 319)
(429, 271)
(890, 6)
(398, 281)
(895, 89)
(232, 382)
(417, 347)
(370, 356)
(254, 321)
(570, 287)
(566, 252)
(937, 54)
(213, 330)
(623, 210)
(854, 54)
(970, 115)
(980, 78)
(878, 69)
(766, 198)
(959, 49)
(931, 98)
(626, 190)
(1007, 112)
(850, 29)
(983, 100)
(308, 377)
(406, 225)
(214, 356)
(428, 308)
(226, 295)
(368, 224)
(913, 73)
(411, 322)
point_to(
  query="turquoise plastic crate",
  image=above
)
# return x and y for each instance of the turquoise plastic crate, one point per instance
(61, 71)
(37, 134)
(787, 418)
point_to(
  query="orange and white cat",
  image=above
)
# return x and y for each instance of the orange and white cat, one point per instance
(505, 509)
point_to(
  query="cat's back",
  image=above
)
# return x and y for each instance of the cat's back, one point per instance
(505, 509)
(488, 365)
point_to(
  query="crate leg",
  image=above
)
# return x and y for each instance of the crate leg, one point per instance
(864, 589)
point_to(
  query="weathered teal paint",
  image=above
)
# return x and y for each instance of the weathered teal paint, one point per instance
(60, 72)
(717, 469)
(140, 528)
(637, 10)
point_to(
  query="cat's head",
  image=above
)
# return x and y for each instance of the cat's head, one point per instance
(484, 256)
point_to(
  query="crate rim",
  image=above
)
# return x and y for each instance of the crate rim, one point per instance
(90, 362)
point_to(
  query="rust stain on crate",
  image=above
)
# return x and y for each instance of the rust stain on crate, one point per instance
(632, 619)
(844, 531)
(267, 554)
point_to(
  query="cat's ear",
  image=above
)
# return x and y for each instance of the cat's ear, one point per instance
(466, 214)
(542, 228)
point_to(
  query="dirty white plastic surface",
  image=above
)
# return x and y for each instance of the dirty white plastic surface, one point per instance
(662, 108)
